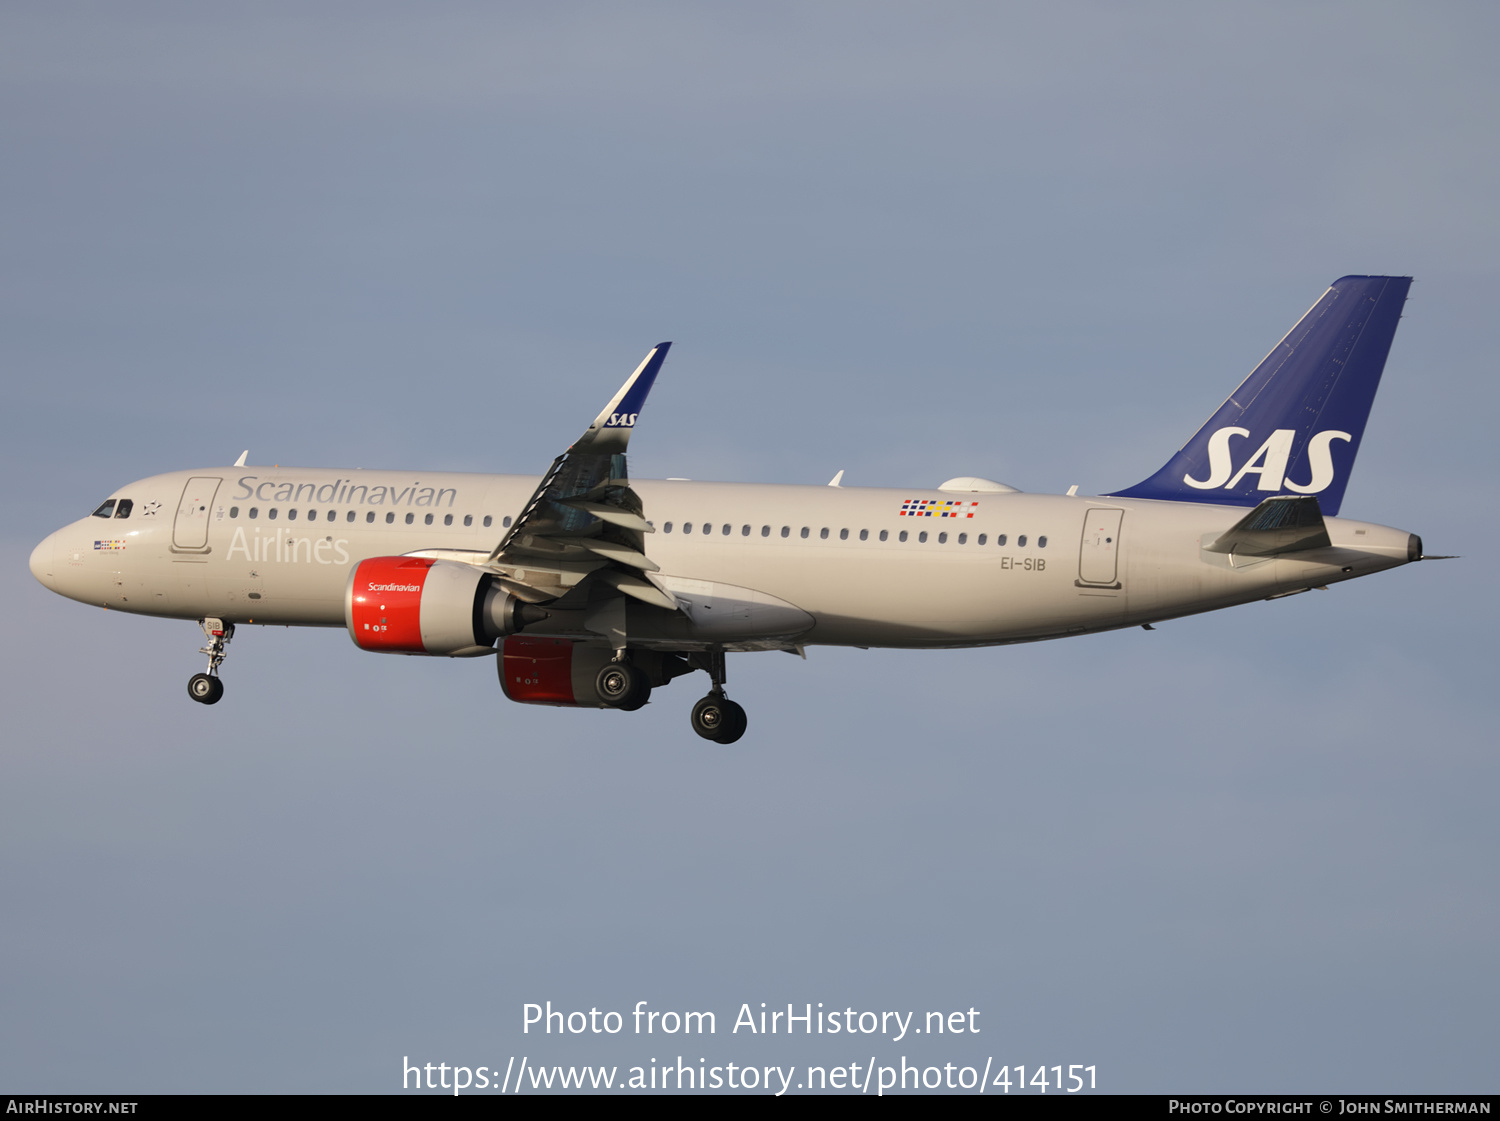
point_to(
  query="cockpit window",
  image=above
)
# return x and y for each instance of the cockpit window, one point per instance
(106, 511)
(123, 508)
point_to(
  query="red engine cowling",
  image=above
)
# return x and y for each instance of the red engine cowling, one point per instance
(412, 605)
(551, 671)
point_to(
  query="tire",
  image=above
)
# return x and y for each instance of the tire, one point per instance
(638, 699)
(719, 719)
(735, 723)
(708, 717)
(621, 685)
(204, 689)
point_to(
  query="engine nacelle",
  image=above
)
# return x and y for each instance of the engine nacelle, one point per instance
(562, 671)
(412, 605)
(552, 671)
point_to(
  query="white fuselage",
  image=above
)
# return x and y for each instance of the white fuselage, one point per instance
(275, 546)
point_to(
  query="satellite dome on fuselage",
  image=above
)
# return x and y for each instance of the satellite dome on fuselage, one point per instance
(973, 484)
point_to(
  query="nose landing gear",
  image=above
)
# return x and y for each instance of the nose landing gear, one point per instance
(716, 717)
(206, 688)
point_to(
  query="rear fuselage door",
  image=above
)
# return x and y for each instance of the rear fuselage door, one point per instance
(1099, 551)
(190, 529)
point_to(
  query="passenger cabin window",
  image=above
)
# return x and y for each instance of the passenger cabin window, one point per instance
(333, 516)
(843, 535)
(291, 515)
(805, 532)
(123, 508)
(234, 512)
(271, 513)
(427, 520)
(369, 517)
(468, 519)
(823, 533)
(505, 522)
(903, 535)
(726, 529)
(963, 538)
(667, 528)
(922, 537)
(864, 535)
(410, 518)
(744, 531)
(999, 539)
(254, 512)
(687, 527)
(487, 521)
(942, 539)
(447, 519)
(786, 531)
(980, 539)
(884, 534)
(106, 510)
(390, 519)
(350, 518)
(1041, 542)
(765, 531)
(1021, 541)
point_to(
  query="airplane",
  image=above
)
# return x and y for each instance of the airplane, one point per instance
(592, 589)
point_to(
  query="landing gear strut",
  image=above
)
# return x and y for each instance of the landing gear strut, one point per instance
(716, 717)
(206, 688)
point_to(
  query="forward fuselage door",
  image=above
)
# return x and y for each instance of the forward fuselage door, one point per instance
(1099, 551)
(190, 529)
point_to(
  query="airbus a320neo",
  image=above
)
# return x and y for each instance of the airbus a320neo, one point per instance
(591, 588)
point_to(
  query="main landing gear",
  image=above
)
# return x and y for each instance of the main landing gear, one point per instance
(716, 717)
(626, 683)
(623, 685)
(206, 688)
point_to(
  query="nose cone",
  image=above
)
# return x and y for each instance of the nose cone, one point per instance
(43, 564)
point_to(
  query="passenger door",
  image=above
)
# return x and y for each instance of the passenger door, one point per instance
(190, 528)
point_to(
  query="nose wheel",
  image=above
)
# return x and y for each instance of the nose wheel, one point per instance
(206, 688)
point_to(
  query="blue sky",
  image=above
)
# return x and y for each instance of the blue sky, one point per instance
(1254, 850)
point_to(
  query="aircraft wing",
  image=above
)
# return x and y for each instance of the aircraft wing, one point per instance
(584, 525)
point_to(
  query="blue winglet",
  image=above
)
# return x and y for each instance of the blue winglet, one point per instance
(611, 428)
(1294, 425)
(637, 388)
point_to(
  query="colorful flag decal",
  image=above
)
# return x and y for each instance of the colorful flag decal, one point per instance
(109, 546)
(938, 508)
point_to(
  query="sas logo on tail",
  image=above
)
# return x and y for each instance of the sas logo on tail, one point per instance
(1269, 462)
(621, 420)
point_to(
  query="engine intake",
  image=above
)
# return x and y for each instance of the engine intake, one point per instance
(412, 605)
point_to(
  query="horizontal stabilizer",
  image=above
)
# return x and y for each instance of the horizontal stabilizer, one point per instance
(1287, 524)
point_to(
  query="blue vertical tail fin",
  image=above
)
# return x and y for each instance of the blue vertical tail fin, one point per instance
(1294, 425)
